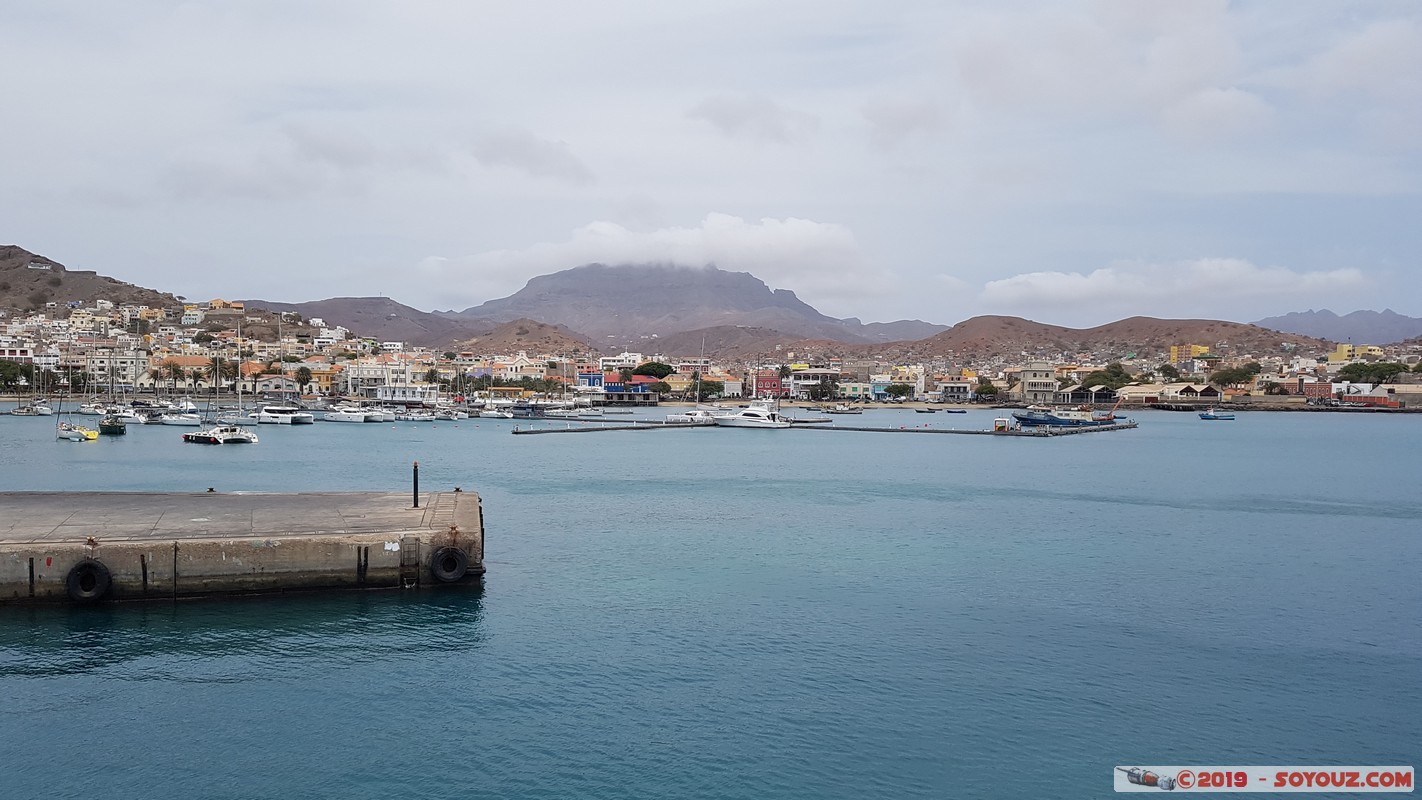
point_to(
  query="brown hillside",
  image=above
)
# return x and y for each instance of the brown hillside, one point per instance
(992, 336)
(29, 281)
(999, 338)
(529, 336)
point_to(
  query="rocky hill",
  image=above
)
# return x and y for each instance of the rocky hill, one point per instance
(28, 281)
(988, 336)
(383, 319)
(529, 336)
(629, 301)
(1359, 327)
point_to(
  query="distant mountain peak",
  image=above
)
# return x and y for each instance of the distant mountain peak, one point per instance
(1359, 327)
(633, 300)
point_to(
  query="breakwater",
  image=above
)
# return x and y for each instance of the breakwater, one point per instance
(90, 547)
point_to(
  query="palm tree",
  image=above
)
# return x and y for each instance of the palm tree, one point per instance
(170, 371)
(303, 377)
(216, 368)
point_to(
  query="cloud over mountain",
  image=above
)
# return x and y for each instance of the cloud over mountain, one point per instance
(821, 260)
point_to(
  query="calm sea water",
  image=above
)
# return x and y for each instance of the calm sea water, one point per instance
(758, 614)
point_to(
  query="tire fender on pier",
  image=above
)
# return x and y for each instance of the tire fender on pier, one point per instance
(88, 581)
(449, 564)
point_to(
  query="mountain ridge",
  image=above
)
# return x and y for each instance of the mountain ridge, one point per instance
(776, 322)
(1358, 327)
(662, 299)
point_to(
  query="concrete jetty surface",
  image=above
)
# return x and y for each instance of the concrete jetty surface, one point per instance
(87, 547)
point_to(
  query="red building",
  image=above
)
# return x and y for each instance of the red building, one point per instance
(767, 383)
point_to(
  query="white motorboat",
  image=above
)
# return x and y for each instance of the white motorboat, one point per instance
(756, 415)
(415, 416)
(177, 418)
(696, 416)
(92, 409)
(490, 412)
(42, 409)
(127, 415)
(450, 413)
(221, 434)
(282, 415)
(349, 414)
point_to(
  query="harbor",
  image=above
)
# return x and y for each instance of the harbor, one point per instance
(860, 603)
(93, 547)
(1004, 430)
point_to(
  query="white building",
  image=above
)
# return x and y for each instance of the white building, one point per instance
(617, 362)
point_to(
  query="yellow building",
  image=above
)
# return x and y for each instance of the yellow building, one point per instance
(1185, 352)
(1345, 353)
(678, 382)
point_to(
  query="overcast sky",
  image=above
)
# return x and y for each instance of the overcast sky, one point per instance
(1070, 162)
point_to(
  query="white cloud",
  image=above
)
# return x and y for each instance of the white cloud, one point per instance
(820, 261)
(1113, 57)
(979, 139)
(540, 158)
(1383, 59)
(756, 118)
(1214, 113)
(893, 121)
(1184, 286)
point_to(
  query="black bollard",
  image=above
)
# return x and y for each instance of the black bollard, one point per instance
(417, 484)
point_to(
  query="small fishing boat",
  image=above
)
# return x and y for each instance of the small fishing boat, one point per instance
(111, 424)
(1213, 413)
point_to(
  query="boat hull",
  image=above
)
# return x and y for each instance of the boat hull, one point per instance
(1048, 419)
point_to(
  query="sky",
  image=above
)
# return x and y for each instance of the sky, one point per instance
(1069, 162)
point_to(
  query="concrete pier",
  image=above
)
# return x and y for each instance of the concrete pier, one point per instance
(88, 547)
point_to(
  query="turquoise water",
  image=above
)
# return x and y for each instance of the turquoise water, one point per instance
(758, 614)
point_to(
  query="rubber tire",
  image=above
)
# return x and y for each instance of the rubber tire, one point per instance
(449, 564)
(88, 581)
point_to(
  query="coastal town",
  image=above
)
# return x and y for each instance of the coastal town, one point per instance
(201, 349)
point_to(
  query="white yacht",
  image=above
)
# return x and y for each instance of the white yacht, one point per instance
(127, 415)
(282, 415)
(92, 409)
(351, 414)
(184, 418)
(75, 433)
(756, 415)
(696, 416)
(412, 415)
(221, 434)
